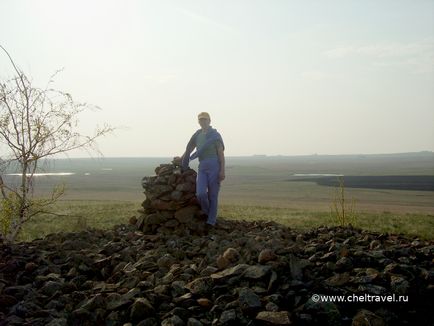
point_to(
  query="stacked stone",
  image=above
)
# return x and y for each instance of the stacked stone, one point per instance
(170, 205)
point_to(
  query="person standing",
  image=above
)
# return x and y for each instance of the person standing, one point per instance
(210, 151)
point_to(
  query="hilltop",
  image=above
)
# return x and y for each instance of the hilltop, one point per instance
(240, 274)
(165, 268)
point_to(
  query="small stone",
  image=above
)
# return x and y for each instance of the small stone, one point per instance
(93, 303)
(184, 215)
(230, 272)
(166, 260)
(266, 255)
(173, 321)
(133, 221)
(176, 195)
(51, 287)
(228, 316)
(372, 289)
(183, 298)
(7, 300)
(222, 262)
(248, 299)
(305, 319)
(296, 267)
(273, 280)
(375, 244)
(140, 309)
(209, 270)
(328, 310)
(274, 317)
(162, 289)
(30, 267)
(81, 317)
(344, 264)
(256, 272)
(271, 306)
(399, 285)
(204, 302)
(172, 223)
(344, 252)
(330, 266)
(58, 322)
(193, 322)
(367, 318)
(186, 187)
(391, 268)
(232, 255)
(182, 313)
(200, 286)
(338, 279)
(116, 301)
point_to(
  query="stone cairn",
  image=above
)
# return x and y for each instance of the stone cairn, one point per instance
(170, 205)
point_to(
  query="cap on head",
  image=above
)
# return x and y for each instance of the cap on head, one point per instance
(204, 115)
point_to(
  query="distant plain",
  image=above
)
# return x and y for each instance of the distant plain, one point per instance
(260, 187)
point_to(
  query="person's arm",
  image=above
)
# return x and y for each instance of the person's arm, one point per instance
(185, 158)
(221, 157)
(188, 151)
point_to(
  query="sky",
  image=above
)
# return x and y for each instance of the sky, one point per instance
(277, 77)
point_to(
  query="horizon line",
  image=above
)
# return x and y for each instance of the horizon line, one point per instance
(259, 155)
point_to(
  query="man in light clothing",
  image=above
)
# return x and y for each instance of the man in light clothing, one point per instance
(210, 151)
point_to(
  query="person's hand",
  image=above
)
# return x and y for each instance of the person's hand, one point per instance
(222, 176)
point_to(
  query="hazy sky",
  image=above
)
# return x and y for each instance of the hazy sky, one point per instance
(277, 77)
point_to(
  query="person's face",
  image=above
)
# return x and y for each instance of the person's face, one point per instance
(204, 123)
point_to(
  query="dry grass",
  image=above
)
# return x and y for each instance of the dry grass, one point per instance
(78, 215)
(82, 214)
(420, 225)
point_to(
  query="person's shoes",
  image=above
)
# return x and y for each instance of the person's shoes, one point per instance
(209, 228)
(203, 215)
(203, 229)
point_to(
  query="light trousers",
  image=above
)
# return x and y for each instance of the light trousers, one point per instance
(207, 187)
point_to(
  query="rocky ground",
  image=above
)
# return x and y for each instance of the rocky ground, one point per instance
(239, 274)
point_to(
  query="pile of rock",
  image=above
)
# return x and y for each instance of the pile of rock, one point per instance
(257, 273)
(170, 205)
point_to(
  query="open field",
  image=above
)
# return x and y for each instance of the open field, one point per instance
(82, 214)
(108, 191)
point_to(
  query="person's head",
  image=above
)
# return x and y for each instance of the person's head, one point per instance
(204, 120)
